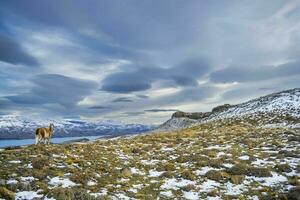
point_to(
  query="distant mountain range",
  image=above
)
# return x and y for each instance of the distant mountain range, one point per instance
(17, 127)
(277, 109)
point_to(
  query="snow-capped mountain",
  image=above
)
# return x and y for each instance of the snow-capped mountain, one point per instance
(12, 127)
(282, 108)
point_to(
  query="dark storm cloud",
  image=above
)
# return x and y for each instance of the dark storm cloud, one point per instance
(122, 99)
(240, 74)
(55, 88)
(161, 110)
(156, 38)
(184, 74)
(12, 52)
(99, 107)
(129, 24)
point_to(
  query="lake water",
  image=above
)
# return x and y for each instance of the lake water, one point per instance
(8, 143)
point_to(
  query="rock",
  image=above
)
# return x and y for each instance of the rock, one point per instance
(283, 168)
(238, 169)
(2, 182)
(126, 172)
(136, 150)
(214, 175)
(237, 179)
(259, 172)
(294, 138)
(194, 115)
(294, 194)
(221, 108)
(6, 194)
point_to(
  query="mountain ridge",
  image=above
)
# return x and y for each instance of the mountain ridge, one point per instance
(280, 107)
(18, 127)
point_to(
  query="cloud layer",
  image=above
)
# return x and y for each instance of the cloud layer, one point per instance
(140, 60)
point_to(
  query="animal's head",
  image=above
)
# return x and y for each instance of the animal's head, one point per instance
(51, 126)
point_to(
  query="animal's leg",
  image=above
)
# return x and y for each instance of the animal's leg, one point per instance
(36, 139)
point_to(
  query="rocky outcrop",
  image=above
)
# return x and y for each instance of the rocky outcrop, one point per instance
(221, 108)
(194, 115)
(201, 115)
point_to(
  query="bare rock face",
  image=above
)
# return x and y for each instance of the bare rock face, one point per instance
(221, 108)
(194, 115)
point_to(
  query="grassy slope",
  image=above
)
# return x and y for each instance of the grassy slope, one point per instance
(220, 159)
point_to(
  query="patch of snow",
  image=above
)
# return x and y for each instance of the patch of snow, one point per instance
(244, 157)
(15, 161)
(103, 192)
(260, 162)
(153, 173)
(208, 185)
(218, 147)
(133, 190)
(269, 181)
(166, 194)
(167, 149)
(137, 171)
(11, 182)
(27, 195)
(150, 162)
(190, 195)
(175, 184)
(28, 179)
(29, 166)
(91, 183)
(204, 170)
(47, 198)
(121, 196)
(62, 182)
(213, 198)
(228, 165)
(233, 189)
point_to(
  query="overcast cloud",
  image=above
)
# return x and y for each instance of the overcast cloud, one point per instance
(139, 61)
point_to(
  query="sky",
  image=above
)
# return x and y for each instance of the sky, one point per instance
(140, 61)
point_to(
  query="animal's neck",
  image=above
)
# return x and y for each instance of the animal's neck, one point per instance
(50, 129)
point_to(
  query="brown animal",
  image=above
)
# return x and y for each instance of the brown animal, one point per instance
(43, 135)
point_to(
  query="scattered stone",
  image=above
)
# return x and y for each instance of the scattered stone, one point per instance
(283, 168)
(237, 179)
(294, 194)
(259, 172)
(214, 175)
(126, 172)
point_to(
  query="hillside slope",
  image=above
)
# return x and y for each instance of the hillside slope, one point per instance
(277, 109)
(216, 160)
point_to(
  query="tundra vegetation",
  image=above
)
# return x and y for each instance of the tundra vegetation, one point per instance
(217, 160)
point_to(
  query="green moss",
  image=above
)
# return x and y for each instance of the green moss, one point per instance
(6, 194)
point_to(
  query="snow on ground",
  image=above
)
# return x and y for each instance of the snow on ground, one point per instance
(204, 170)
(166, 193)
(175, 184)
(153, 173)
(269, 181)
(190, 195)
(244, 157)
(27, 195)
(209, 185)
(15, 161)
(27, 179)
(61, 182)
